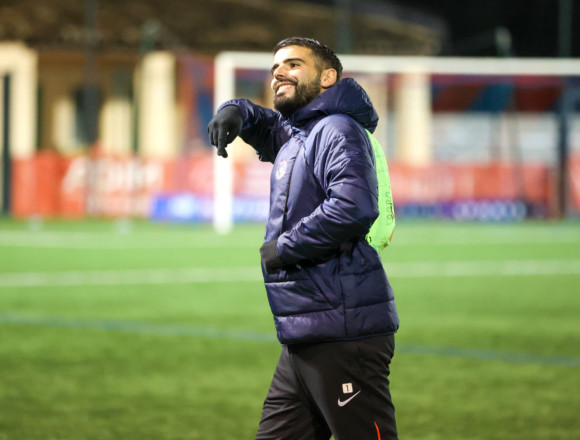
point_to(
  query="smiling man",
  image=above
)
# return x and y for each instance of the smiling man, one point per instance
(333, 306)
(296, 78)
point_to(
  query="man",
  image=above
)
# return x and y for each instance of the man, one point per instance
(333, 306)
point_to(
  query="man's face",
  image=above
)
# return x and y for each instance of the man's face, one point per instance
(296, 79)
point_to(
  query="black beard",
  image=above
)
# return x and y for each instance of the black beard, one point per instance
(304, 94)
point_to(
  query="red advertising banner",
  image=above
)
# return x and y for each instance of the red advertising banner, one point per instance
(574, 179)
(52, 186)
(443, 182)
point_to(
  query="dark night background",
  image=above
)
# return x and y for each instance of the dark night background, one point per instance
(533, 24)
(468, 26)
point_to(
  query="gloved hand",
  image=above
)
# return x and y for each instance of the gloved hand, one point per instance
(225, 126)
(270, 257)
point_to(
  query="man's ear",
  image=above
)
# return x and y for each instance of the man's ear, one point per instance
(328, 78)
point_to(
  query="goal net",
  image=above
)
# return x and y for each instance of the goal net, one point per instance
(465, 138)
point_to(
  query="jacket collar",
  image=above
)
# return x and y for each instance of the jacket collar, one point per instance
(346, 97)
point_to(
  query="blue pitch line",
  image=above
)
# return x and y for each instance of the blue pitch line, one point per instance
(147, 328)
(155, 329)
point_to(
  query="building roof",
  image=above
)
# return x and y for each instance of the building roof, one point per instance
(207, 26)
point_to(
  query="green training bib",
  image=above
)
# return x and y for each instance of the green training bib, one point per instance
(381, 233)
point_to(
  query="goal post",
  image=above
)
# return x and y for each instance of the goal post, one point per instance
(226, 64)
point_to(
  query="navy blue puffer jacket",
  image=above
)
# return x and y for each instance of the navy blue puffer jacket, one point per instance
(323, 201)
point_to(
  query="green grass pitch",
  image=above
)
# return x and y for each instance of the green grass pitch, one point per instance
(139, 331)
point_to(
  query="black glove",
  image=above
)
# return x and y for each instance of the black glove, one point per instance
(225, 126)
(270, 257)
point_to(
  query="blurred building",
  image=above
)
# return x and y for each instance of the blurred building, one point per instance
(104, 106)
(91, 58)
(209, 27)
(134, 78)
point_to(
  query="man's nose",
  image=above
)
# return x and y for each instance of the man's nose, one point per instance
(279, 72)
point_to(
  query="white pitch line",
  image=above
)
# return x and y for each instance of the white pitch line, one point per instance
(450, 269)
(428, 269)
(62, 240)
(487, 240)
(130, 277)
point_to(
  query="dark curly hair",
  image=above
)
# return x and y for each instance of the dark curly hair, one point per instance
(324, 56)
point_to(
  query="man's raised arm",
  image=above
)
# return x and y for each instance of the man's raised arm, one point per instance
(260, 127)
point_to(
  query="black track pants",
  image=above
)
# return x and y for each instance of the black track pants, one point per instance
(335, 388)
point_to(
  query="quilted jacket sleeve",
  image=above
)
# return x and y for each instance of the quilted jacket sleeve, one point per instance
(343, 164)
(263, 128)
